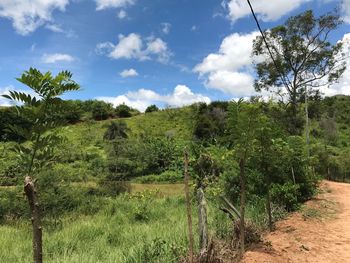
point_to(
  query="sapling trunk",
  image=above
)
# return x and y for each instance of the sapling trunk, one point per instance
(31, 193)
(242, 205)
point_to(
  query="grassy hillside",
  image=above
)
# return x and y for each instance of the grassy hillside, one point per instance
(89, 216)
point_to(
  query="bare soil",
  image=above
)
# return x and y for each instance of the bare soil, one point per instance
(319, 233)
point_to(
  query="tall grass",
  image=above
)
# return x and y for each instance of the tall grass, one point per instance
(117, 233)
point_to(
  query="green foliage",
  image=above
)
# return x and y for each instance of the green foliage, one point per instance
(286, 195)
(211, 121)
(151, 108)
(40, 149)
(116, 130)
(123, 111)
(164, 177)
(295, 66)
(101, 110)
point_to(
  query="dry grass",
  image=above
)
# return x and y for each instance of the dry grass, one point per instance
(163, 189)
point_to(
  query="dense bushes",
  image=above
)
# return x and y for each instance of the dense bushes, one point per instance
(164, 177)
(151, 108)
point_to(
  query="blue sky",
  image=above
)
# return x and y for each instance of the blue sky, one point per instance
(168, 52)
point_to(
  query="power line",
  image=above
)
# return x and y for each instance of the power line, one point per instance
(267, 45)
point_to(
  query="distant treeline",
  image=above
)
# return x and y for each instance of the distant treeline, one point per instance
(74, 111)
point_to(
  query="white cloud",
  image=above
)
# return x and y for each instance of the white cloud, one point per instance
(104, 4)
(142, 98)
(160, 48)
(54, 28)
(228, 69)
(134, 47)
(28, 15)
(3, 101)
(166, 27)
(128, 47)
(343, 85)
(266, 10)
(129, 73)
(56, 57)
(238, 84)
(122, 14)
(346, 10)
(6, 90)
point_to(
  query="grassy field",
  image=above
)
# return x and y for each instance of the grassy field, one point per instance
(126, 230)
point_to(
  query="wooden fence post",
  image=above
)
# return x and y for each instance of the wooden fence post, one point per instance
(202, 221)
(188, 205)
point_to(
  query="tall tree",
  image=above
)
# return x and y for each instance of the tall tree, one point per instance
(38, 151)
(299, 56)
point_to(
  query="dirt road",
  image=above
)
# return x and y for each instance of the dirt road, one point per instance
(320, 232)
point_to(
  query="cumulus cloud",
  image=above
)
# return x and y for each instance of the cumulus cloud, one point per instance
(142, 98)
(266, 10)
(129, 73)
(57, 57)
(134, 47)
(229, 69)
(343, 85)
(128, 47)
(104, 4)
(346, 10)
(28, 15)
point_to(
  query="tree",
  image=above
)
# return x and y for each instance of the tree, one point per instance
(38, 152)
(123, 111)
(299, 56)
(151, 108)
(101, 110)
(116, 130)
(242, 133)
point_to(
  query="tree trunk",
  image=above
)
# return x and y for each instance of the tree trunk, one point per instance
(293, 175)
(268, 207)
(31, 193)
(307, 123)
(188, 205)
(294, 105)
(242, 205)
(202, 221)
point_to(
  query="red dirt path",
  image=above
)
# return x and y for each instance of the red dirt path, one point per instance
(320, 233)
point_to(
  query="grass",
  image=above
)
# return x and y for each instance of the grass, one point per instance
(163, 189)
(118, 233)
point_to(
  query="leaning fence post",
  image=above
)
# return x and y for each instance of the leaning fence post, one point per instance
(202, 221)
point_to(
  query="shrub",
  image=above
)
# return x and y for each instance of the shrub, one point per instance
(165, 177)
(151, 108)
(286, 195)
(123, 111)
(114, 188)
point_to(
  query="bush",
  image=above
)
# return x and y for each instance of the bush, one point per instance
(123, 111)
(286, 195)
(114, 188)
(101, 110)
(165, 177)
(12, 204)
(151, 108)
(56, 196)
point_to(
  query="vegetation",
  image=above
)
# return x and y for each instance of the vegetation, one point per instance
(98, 171)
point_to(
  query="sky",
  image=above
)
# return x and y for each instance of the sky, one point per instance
(140, 52)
